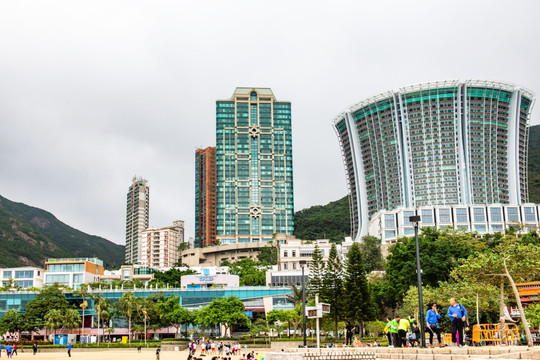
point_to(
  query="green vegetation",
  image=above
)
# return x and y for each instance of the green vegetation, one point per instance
(331, 221)
(28, 236)
(251, 273)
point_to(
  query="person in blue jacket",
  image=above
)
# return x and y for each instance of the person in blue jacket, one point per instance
(457, 314)
(432, 321)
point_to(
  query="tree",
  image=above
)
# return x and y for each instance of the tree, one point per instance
(82, 292)
(332, 289)
(54, 320)
(13, 322)
(358, 304)
(71, 319)
(440, 251)
(296, 294)
(316, 271)
(101, 305)
(251, 272)
(171, 277)
(49, 298)
(512, 260)
(126, 306)
(533, 314)
(227, 311)
(144, 306)
(173, 314)
(268, 255)
(371, 249)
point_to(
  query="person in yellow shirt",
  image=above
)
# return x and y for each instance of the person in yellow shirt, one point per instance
(403, 327)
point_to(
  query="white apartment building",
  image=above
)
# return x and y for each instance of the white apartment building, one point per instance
(73, 272)
(159, 247)
(24, 277)
(294, 251)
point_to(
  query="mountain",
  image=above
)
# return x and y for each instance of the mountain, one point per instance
(31, 235)
(332, 221)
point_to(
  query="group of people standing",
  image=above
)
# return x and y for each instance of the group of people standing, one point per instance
(209, 347)
(406, 332)
(11, 349)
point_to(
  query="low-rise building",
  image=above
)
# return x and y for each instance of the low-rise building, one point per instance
(389, 225)
(24, 277)
(128, 273)
(73, 272)
(159, 247)
(294, 251)
(207, 280)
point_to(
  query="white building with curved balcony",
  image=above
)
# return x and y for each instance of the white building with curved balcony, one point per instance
(437, 144)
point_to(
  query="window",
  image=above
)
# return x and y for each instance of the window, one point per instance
(479, 215)
(7, 274)
(529, 214)
(389, 221)
(285, 253)
(389, 234)
(294, 266)
(512, 214)
(294, 253)
(24, 274)
(408, 231)
(285, 266)
(495, 214)
(444, 216)
(480, 228)
(497, 227)
(427, 217)
(406, 216)
(461, 216)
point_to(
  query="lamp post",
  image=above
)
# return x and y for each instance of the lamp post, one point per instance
(302, 264)
(415, 220)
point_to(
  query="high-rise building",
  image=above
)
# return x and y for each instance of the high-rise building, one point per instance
(205, 197)
(436, 144)
(137, 218)
(159, 247)
(254, 167)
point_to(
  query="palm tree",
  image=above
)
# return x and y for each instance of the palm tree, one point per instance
(144, 306)
(82, 292)
(126, 306)
(296, 294)
(101, 305)
(53, 320)
(71, 319)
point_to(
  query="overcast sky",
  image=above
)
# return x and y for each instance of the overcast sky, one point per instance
(95, 92)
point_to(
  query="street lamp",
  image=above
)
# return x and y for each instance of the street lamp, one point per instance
(415, 220)
(302, 265)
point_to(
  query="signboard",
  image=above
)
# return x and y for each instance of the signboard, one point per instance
(325, 308)
(206, 278)
(313, 312)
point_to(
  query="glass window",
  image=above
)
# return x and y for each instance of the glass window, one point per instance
(294, 253)
(462, 216)
(497, 227)
(406, 216)
(389, 221)
(285, 253)
(530, 216)
(495, 214)
(294, 266)
(427, 217)
(24, 274)
(7, 274)
(480, 228)
(408, 231)
(253, 96)
(285, 266)
(512, 214)
(479, 215)
(444, 216)
(25, 284)
(389, 234)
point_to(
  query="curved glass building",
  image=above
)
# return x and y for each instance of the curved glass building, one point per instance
(441, 143)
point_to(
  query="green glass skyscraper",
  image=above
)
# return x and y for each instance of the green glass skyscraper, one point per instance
(254, 167)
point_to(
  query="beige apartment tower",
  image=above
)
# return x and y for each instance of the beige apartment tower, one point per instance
(137, 218)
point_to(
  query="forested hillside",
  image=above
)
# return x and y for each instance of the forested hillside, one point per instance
(32, 235)
(331, 221)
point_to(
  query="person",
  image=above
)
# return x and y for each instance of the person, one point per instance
(387, 331)
(34, 348)
(432, 321)
(393, 330)
(349, 333)
(403, 327)
(158, 350)
(69, 349)
(14, 351)
(457, 314)
(139, 348)
(414, 336)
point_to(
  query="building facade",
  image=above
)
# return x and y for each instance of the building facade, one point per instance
(389, 225)
(294, 251)
(254, 167)
(73, 272)
(23, 277)
(137, 218)
(205, 197)
(159, 247)
(436, 144)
